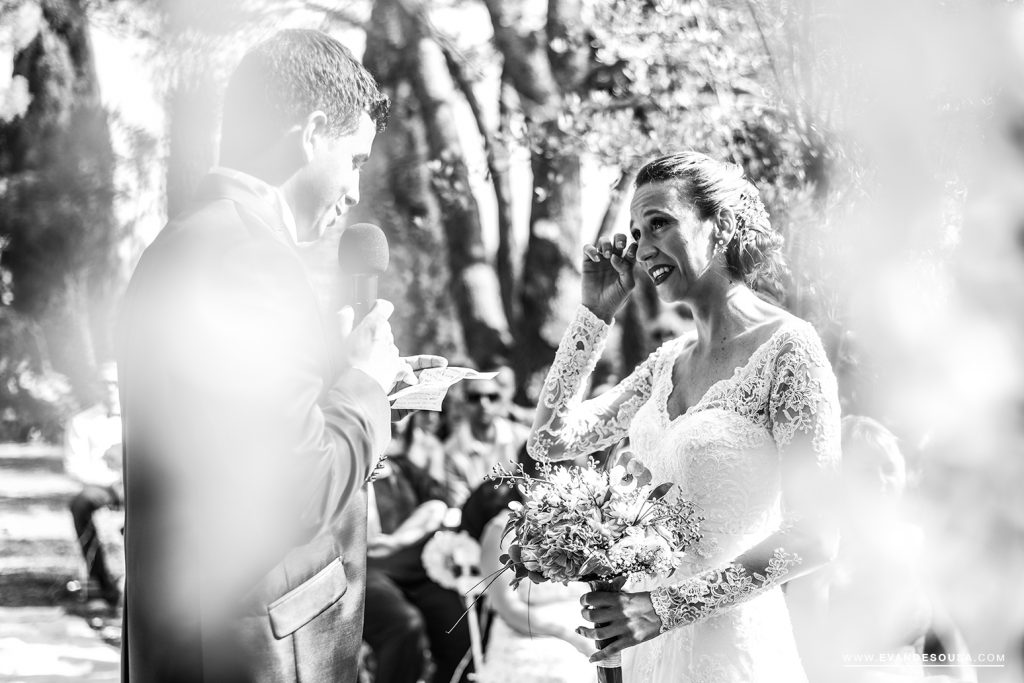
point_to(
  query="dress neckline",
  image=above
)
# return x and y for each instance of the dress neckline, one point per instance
(738, 372)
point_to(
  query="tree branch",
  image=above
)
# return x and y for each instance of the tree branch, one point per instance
(417, 11)
(615, 201)
(338, 14)
(567, 46)
(764, 42)
(498, 169)
(526, 63)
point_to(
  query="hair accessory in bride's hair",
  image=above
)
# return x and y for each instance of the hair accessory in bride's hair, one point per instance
(751, 214)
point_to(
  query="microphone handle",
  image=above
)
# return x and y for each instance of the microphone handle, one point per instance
(362, 294)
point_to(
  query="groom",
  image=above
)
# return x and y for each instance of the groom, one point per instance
(247, 441)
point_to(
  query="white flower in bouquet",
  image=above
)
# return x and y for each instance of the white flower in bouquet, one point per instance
(642, 552)
(624, 510)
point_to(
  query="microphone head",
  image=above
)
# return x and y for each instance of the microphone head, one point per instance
(363, 250)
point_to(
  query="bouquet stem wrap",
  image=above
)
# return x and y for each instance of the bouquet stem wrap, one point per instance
(610, 670)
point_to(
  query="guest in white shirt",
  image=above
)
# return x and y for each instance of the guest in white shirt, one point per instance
(93, 458)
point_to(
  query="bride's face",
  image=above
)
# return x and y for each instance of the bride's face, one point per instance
(673, 242)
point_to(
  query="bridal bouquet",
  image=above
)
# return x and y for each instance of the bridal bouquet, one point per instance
(592, 523)
(596, 524)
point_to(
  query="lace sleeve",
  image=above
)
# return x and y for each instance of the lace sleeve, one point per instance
(803, 406)
(705, 595)
(566, 426)
(803, 410)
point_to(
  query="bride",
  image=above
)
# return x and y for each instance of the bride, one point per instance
(741, 414)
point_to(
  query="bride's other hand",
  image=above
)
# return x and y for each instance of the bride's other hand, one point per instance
(626, 619)
(608, 275)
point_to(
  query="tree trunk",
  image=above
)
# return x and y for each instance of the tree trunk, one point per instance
(476, 288)
(526, 62)
(509, 270)
(543, 67)
(551, 273)
(398, 195)
(498, 168)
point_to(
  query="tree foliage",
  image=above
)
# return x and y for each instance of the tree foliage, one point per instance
(569, 83)
(56, 208)
(621, 82)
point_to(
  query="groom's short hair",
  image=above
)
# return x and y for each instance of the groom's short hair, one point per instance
(285, 78)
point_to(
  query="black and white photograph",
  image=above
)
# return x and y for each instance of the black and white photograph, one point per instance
(511, 341)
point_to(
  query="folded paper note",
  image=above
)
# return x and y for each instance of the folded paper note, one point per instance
(432, 388)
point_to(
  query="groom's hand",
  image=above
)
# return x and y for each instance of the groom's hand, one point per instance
(620, 620)
(370, 345)
(415, 365)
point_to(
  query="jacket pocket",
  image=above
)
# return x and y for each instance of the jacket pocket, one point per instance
(308, 600)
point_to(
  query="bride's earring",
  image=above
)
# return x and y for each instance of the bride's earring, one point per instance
(719, 248)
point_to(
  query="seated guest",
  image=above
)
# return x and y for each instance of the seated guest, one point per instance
(483, 439)
(92, 457)
(427, 430)
(403, 605)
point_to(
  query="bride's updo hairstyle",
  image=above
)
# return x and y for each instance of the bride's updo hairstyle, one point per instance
(754, 254)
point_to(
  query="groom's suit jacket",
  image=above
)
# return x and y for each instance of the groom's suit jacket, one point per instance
(246, 452)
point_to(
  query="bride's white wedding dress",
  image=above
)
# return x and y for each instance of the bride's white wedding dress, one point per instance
(723, 621)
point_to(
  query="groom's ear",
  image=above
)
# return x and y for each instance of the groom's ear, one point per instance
(312, 134)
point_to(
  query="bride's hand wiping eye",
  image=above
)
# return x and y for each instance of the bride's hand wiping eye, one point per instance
(608, 275)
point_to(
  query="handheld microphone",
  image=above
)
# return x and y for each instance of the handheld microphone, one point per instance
(363, 257)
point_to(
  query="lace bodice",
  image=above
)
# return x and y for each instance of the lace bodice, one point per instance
(743, 453)
(786, 387)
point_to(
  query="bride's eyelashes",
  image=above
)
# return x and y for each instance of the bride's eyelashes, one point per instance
(655, 225)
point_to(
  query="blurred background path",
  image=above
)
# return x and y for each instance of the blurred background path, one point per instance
(46, 634)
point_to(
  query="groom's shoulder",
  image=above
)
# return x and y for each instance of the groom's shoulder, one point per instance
(209, 222)
(212, 233)
(200, 241)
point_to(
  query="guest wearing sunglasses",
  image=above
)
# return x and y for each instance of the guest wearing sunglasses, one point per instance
(483, 439)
